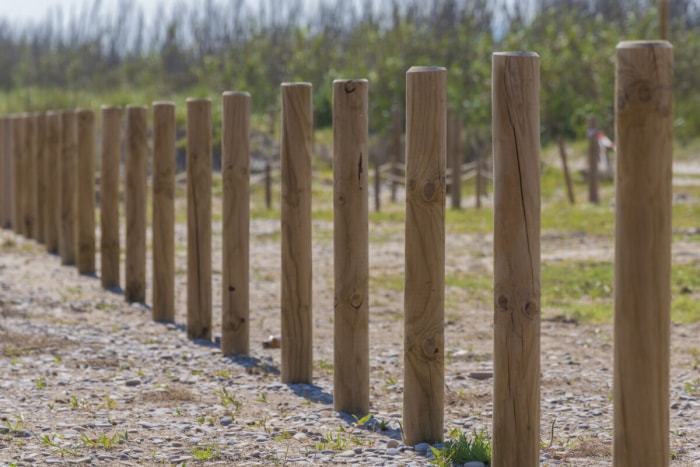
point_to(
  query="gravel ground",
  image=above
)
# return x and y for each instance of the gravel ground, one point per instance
(88, 379)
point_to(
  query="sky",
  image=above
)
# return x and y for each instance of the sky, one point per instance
(28, 10)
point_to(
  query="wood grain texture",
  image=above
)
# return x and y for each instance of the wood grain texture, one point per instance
(199, 167)
(53, 156)
(86, 192)
(135, 194)
(351, 247)
(29, 174)
(163, 308)
(5, 173)
(17, 124)
(644, 129)
(424, 290)
(109, 197)
(235, 157)
(67, 200)
(40, 204)
(296, 305)
(565, 169)
(516, 250)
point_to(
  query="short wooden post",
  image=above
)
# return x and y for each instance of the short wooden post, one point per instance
(454, 153)
(109, 197)
(516, 362)
(68, 170)
(296, 149)
(593, 156)
(644, 133)
(235, 157)
(396, 117)
(424, 291)
(377, 187)
(86, 191)
(199, 167)
(163, 307)
(17, 173)
(5, 173)
(40, 205)
(135, 197)
(268, 185)
(29, 178)
(351, 247)
(565, 168)
(52, 156)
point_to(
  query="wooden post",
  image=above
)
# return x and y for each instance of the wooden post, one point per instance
(455, 154)
(109, 197)
(644, 130)
(478, 178)
(565, 168)
(396, 117)
(52, 156)
(40, 204)
(67, 202)
(268, 185)
(296, 149)
(593, 156)
(135, 197)
(424, 291)
(199, 167)
(351, 247)
(235, 157)
(163, 212)
(17, 172)
(663, 20)
(516, 363)
(377, 187)
(86, 191)
(5, 173)
(29, 178)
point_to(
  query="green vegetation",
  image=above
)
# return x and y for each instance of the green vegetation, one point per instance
(459, 449)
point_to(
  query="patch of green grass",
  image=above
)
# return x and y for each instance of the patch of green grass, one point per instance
(460, 450)
(204, 454)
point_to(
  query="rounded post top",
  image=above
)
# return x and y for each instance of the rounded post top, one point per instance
(426, 69)
(301, 85)
(163, 104)
(651, 44)
(235, 94)
(351, 80)
(516, 54)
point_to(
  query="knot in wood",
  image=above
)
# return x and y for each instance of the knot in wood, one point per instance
(502, 303)
(349, 88)
(356, 301)
(531, 309)
(431, 349)
(429, 191)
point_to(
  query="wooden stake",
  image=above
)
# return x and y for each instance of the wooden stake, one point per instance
(565, 168)
(235, 156)
(53, 156)
(351, 247)
(516, 363)
(40, 203)
(296, 149)
(5, 173)
(268, 185)
(29, 209)
(109, 197)
(644, 129)
(593, 155)
(86, 191)
(396, 117)
(17, 173)
(478, 178)
(135, 197)
(199, 167)
(424, 291)
(68, 169)
(454, 141)
(377, 187)
(663, 20)
(163, 212)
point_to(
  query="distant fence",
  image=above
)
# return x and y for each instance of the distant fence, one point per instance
(46, 193)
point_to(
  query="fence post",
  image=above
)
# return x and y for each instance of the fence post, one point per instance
(593, 156)
(516, 363)
(268, 185)
(163, 225)
(235, 157)
(52, 156)
(199, 167)
(565, 168)
(86, 191)
(109, 196)
(135, 194)
(395, 148)
(644, 131)
(17, 173)
(351, 247)
(424, 290)
(377, 187)
(6, 171)
(67, 191)
(40, 208)
(454, 153)
(29, 181)
(295, 211)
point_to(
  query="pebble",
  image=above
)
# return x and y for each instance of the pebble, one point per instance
(133, 382)
(422, 447)
(473, 464)
(392, 443)
(392, 452)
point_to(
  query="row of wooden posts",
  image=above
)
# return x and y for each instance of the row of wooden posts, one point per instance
(53, 200)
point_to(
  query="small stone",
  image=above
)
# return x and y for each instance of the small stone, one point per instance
(392, 452)
(300, 436)
(148, 426)
(392, 443)
(133, 382)
(473, 464)
(225, 421)
(261, 439)
(348, 453)
(422, 447)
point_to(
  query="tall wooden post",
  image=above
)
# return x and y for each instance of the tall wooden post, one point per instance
(593, 156)
(67, 202)
(5, 173)
(40, 170)
(163, 308)
(235, 156)
(296, 149)
(86, 191)
(644, 131)
(663, 20)
(17, 172)
(135, 197)
(199, 167)
(52, 156)
(565, 168)
(109, 197)
(268, 185)
(454, 153)
(396, 117)
(351, 247)
(424, 291)
(29, 178)
(516, 245)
